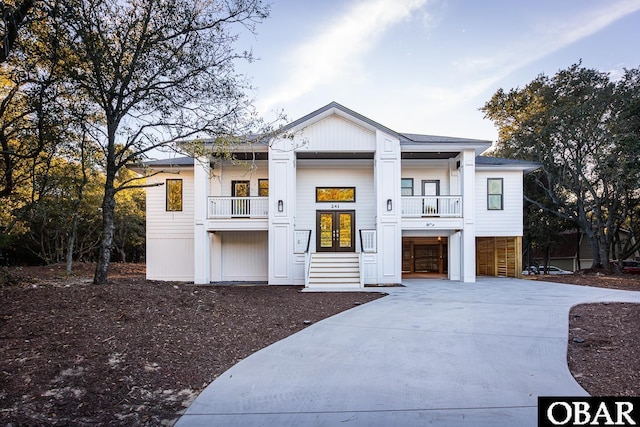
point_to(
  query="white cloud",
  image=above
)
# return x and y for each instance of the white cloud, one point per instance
(553, 35)
(339, 48)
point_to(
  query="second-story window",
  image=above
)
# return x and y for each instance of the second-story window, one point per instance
(263, 187)
(335, 194)
(495, 194)
(406, 187)
(174, 195)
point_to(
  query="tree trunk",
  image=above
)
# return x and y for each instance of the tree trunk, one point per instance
(579, 243)
(603, 249)
(108, 208)
(546, 256)
(595, 248)
(72, 242)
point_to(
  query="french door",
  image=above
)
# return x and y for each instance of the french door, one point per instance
(240, 207)
(335, 231)
(430, 204)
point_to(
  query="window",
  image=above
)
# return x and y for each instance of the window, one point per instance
(406, 187)
(495, 188)
(263, 187)
(335, 194)
(174, 194)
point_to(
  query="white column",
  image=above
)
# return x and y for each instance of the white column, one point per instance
(468, 249)
(282, 209)
(388, 209)
(201, 241)
(216, 257)
(455, 253)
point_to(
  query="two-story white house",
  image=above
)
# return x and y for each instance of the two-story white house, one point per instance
(340, 201)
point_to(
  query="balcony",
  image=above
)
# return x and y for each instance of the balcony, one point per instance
(432, 206)
(237, 213)
(238, 207)
(431, 212)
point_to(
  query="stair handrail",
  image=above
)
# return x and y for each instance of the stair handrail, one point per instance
(307, 268)
(307, 254)
(360, 268)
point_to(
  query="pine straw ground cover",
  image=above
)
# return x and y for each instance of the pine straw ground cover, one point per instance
(137, 352)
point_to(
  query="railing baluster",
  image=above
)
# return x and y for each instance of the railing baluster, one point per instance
(238, 207)
(431, 206)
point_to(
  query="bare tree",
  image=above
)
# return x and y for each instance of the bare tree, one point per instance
(159, 71)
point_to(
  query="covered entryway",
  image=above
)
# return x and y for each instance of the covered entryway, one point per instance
(424, 255)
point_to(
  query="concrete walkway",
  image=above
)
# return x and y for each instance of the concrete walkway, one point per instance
(433, 353)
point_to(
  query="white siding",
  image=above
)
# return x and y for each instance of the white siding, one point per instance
(335, 134)
(245, 256)
(170, 259)
(224, 174)
(160, 222)
(507, 222)
(170, 234)
(428, 171)
(331, 174)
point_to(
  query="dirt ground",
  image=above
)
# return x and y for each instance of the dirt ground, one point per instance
(137, 352)
(133, 352)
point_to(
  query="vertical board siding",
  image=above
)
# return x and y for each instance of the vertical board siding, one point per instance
(170, 259)
(245, 256)
(335, 134)
(329, 175)
(506, 222)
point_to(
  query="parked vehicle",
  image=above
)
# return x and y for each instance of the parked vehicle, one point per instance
(541, 270)
(553, 270)
(628, 266)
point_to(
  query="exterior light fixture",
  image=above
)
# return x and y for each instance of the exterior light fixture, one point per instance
(389, 205)
(280, 206)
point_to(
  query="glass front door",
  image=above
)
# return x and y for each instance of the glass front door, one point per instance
(335, 231)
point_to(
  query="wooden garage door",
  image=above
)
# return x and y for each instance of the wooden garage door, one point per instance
(499, 256)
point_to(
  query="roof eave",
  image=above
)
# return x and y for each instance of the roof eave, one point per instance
(425, 147)
(526, 168)
(334, 108)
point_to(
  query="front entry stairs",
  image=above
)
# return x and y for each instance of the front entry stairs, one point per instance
(334, 270)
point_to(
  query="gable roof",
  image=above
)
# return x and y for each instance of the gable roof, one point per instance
(408, 140)
(341, 110)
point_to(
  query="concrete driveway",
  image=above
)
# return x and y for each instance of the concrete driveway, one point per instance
(433, 353)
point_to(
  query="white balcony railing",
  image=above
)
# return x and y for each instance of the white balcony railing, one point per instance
(432, 206)
(238, 207)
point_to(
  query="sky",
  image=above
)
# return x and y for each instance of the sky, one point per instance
(427, 66)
